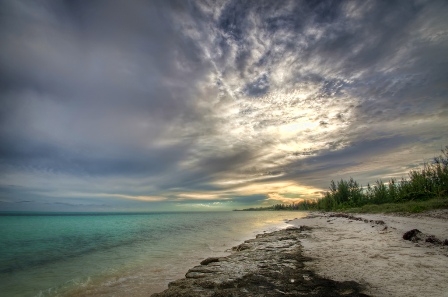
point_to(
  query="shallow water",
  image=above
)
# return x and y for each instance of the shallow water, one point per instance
(116, 254)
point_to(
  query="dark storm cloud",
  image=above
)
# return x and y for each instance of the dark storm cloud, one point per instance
(86, 76)
(164, 98)
(259, 87)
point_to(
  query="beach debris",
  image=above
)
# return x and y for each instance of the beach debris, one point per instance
(353, 218)
(344, 215)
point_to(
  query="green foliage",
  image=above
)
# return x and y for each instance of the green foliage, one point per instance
(423, 184)
(305, 205)
(407, 207)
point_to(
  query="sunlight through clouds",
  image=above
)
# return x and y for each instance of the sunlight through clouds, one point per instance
(249, 102)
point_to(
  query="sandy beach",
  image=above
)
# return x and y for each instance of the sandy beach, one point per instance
(328, 254)
(376, 255)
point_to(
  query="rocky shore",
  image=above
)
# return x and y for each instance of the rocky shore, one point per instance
(331, 254)
(272, 264)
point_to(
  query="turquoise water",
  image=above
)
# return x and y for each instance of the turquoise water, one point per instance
(116, 254)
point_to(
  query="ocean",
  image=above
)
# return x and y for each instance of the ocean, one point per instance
(116, 254)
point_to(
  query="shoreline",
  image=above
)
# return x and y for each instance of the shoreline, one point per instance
(346, 255)
(272, 264)
(153, 277)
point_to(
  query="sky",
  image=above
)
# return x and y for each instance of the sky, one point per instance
(214, 105)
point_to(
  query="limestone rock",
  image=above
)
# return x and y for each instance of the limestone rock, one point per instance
(272, 264)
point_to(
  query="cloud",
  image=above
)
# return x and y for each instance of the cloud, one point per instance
(282, 199)
(197, 196)
(138, 198)
(160, 102)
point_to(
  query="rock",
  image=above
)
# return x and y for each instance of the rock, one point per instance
(293, 228)
(413, 235)
(241, 247)
(433, 239)
(306, 228)
(210, 260)
(195, 275)
(270, 265)
(201, 269)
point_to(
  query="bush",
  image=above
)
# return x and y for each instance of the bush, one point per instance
(423, 184)
(415, 194)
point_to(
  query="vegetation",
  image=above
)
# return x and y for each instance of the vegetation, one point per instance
(425, 188)
(408, 207)
(305, 205)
